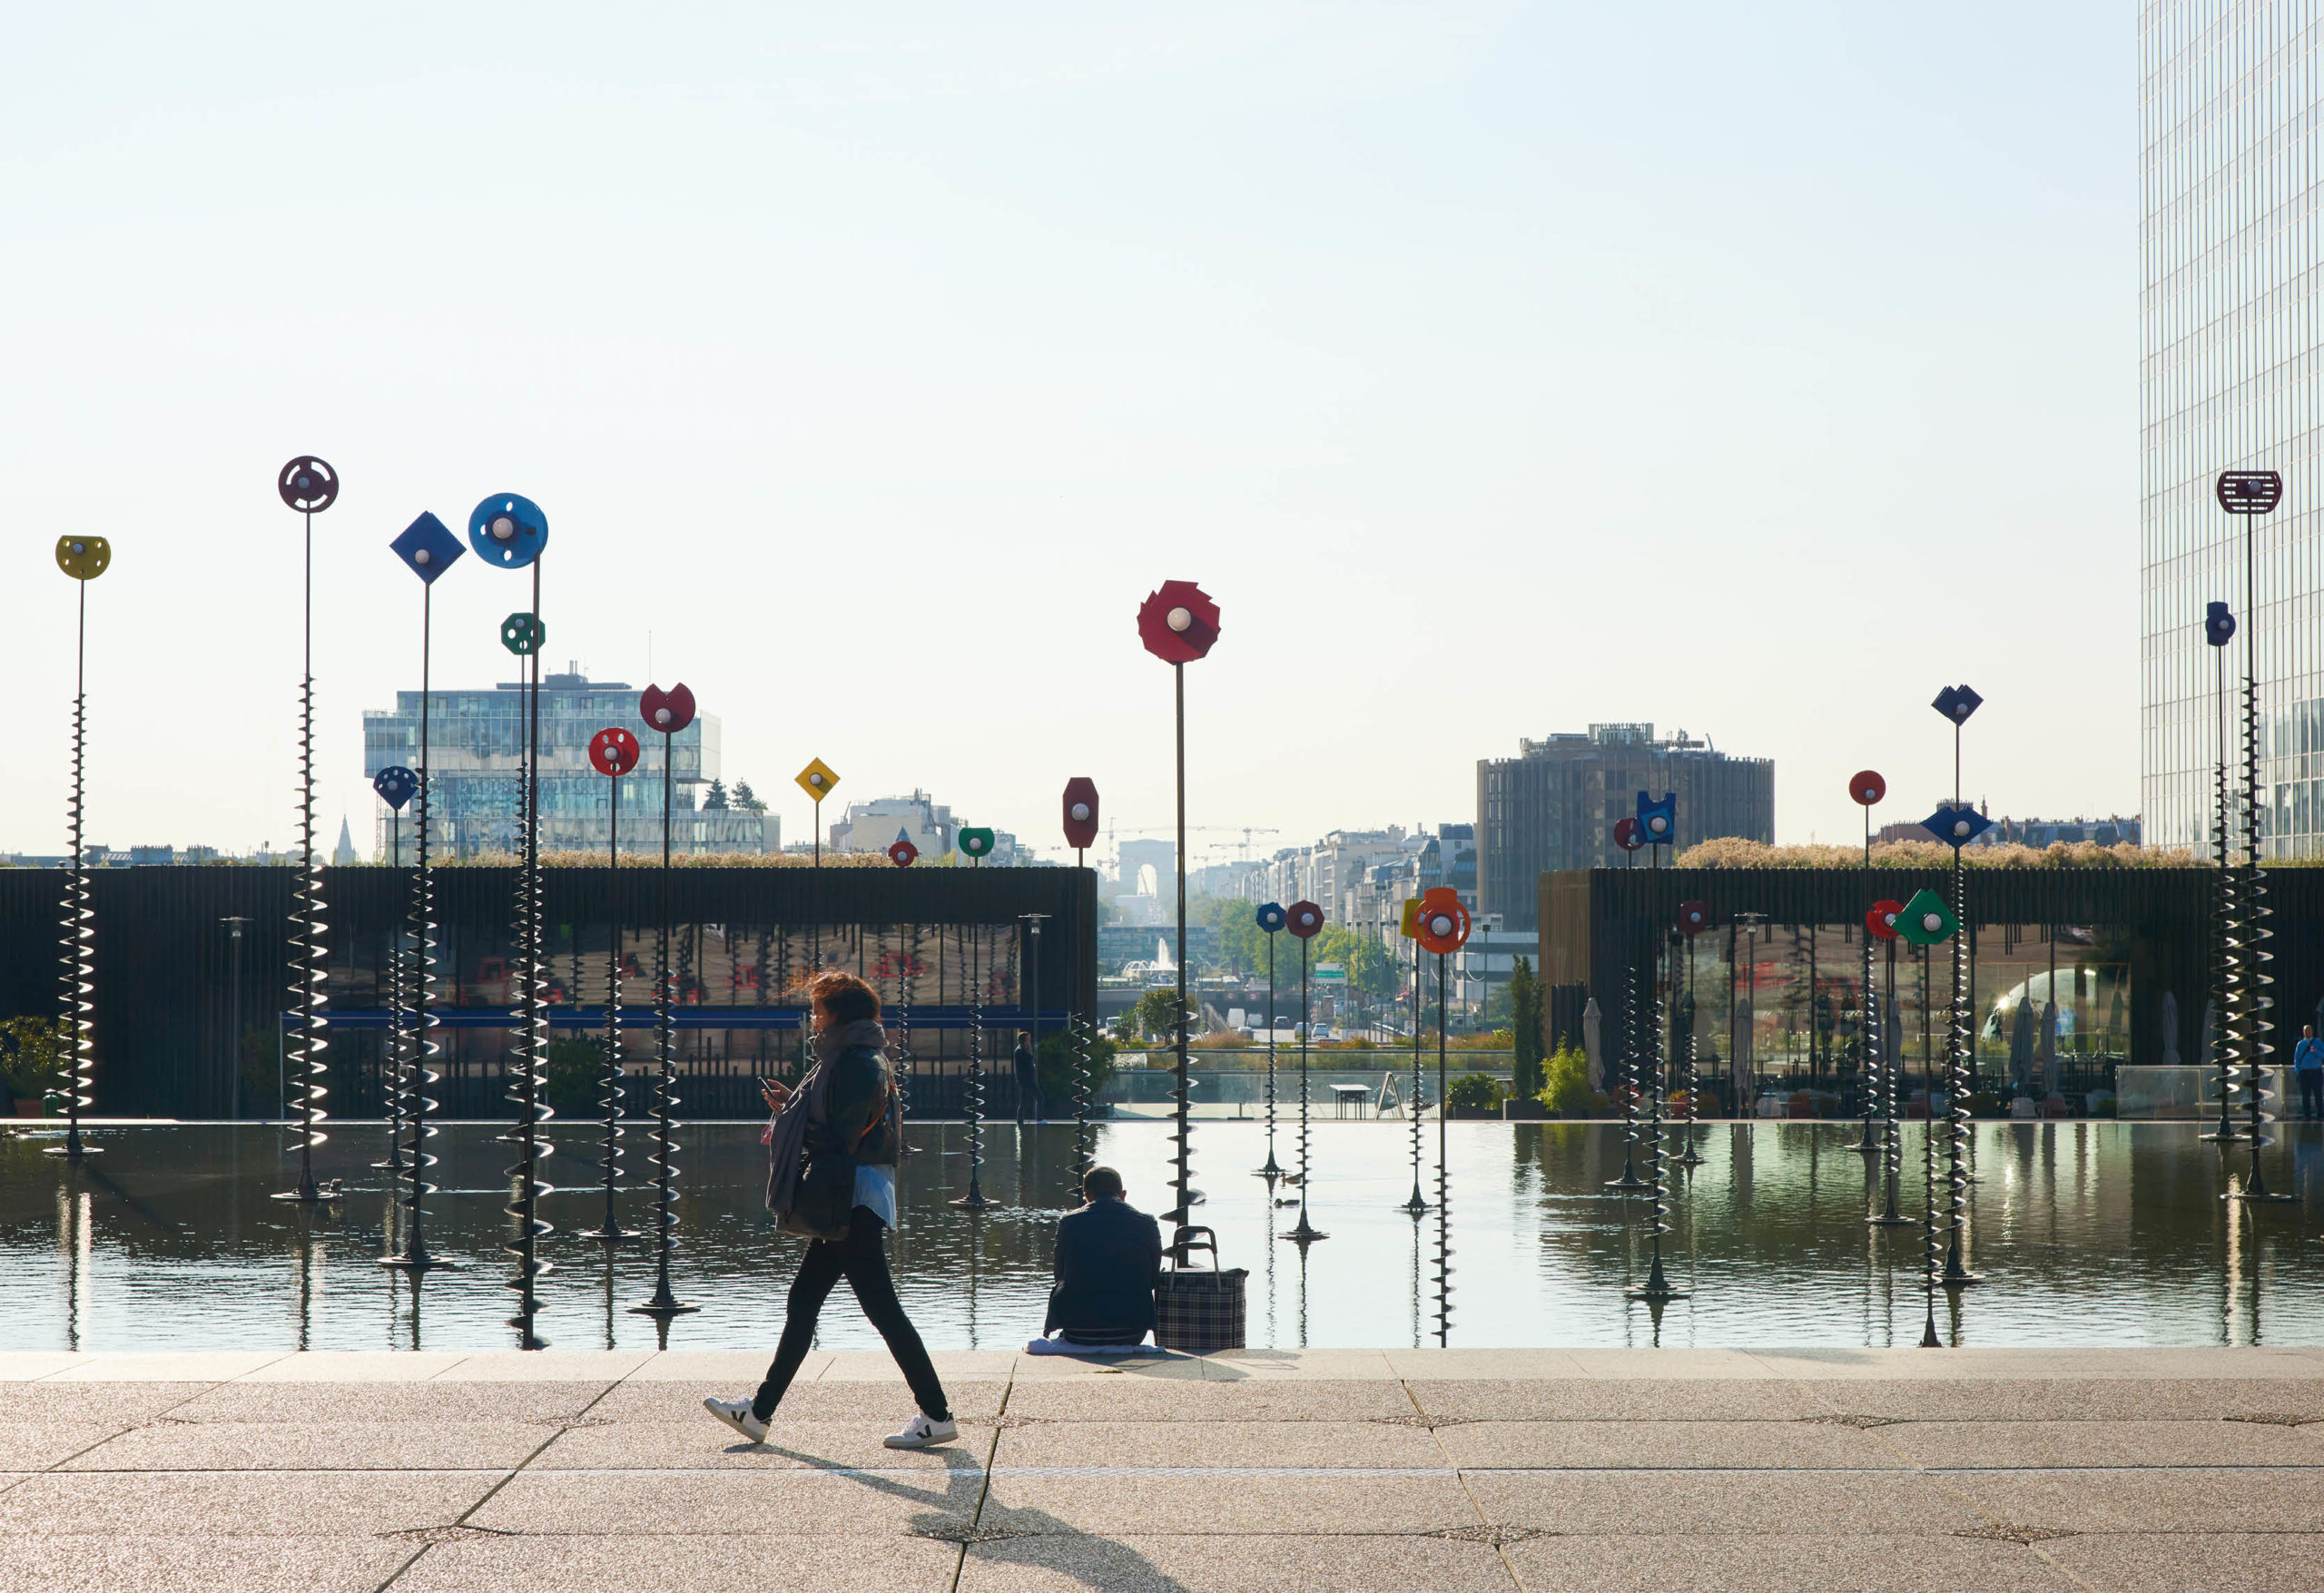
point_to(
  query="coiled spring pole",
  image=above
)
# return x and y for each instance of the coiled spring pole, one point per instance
(528, 1088)
(308, 954)
(1629, 1179)
(666, 1303)
(1416, 1203)
(609, 1095)
(1657, 1287)
(80, 919)
(1444, 1171)
(974, 1200)
(420, 1053)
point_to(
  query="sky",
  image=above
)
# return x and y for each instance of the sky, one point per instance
(1499, 368)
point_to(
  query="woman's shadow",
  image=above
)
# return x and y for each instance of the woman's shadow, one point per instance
(1027, 1537)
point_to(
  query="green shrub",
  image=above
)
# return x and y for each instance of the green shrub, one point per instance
(1565, 1086)
(33, 1052)
(1474, 1090)
(576, 1072)
(1054, 1064)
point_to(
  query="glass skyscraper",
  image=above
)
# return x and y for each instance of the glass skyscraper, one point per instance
(2231, 182)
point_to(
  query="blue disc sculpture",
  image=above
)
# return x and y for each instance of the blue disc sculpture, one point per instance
(308, 486)
(510, 531)
(428, 548)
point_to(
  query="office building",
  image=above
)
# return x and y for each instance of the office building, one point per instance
(1555, 805)
(476, 745)
(2231, 181)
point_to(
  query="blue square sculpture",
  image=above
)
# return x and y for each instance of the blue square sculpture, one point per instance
(429, 546)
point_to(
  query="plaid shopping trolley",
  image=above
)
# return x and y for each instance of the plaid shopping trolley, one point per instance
(1198, 1311)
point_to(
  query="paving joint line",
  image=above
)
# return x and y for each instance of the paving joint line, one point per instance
(976, 1516)
(462, 1519)
(1484, 1516)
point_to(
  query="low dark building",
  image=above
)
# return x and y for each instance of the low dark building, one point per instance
(168, 996)
(2123, 954)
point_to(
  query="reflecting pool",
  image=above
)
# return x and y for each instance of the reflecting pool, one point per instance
(2084, 1232)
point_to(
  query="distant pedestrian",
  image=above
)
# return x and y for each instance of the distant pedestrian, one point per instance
(841, 1129)
(1029, 1077)
(2308, 1066)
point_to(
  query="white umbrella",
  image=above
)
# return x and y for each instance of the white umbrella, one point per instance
(1592, 1021)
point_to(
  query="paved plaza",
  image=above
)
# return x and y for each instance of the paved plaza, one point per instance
(1947, 1471)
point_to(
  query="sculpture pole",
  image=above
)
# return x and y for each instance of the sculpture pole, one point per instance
(1415, 1202)
(1080, 803)
(1657, 1288)
(974, 843)
(309, 485)
(1270, 918)
(1880, 924)
(84, 558)
(2251, 494)
(1866, 788)
(394, 785)
(1178, 623)
(1441, 925)
(428, 548)
(613, 751)
(903, 854)
(669, 712)
(2219, 628)
(1956, 824)
(510, 532)
(1626, 836)
(1305, 920)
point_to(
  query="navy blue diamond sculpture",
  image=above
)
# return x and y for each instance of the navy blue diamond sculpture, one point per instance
(2219, 625)
(1956, 704)
(1658, 821)
(429, 546)
(396, 785)
(508, 530)
(1270, 917)
(1956, 827)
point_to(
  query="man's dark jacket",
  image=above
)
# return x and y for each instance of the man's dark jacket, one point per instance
(1109, 1255)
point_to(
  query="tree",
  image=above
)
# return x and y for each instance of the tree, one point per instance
(1525, 1020)
(747, 800)
(716, 802)
(1371, 971)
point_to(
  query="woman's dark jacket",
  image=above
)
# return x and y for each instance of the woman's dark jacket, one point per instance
(1108, 1256)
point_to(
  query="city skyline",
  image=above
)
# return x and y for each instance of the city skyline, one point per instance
(878, 406)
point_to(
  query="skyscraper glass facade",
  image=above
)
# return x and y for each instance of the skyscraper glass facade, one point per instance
(2230, 175)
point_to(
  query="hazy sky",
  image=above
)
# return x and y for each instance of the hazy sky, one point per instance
(1499, 368)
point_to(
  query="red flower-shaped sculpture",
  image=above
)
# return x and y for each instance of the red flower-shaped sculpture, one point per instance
(668, 712)
(1305, 920)
(1177, 622)
(903, 853)
(1880, 923)
(1626, 835)
(1443, 923)
(1081, 812)
(1867, 786)
(613, 751)
(1694, 918)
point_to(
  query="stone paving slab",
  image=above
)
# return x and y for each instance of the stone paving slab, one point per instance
(353, 1444)
(237, 1504)
(1278, 1563)
(1138, 1445)
(148, 1564)
(1773, 1562)
(729, 1563)
(1667, 1446)
(1329, 1471)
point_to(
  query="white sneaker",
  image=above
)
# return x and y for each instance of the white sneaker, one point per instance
(923, 1433)
(736, 1414)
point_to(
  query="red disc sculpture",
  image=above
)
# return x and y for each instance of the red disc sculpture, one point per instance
(1177, 622)
(613, 752)
(1694, 918)
(1626, 835)
(903, 853)
(1442, 923)
(667, 712)
(1304, 920)
(1080, 812)
(1867, 787)
(1880, 923)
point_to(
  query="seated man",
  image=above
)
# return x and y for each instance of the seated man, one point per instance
(1108, 1256)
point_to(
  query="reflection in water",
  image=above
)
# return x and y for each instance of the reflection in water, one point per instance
(2087, 1233)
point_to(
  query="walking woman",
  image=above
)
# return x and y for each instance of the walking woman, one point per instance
(835, 1178)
